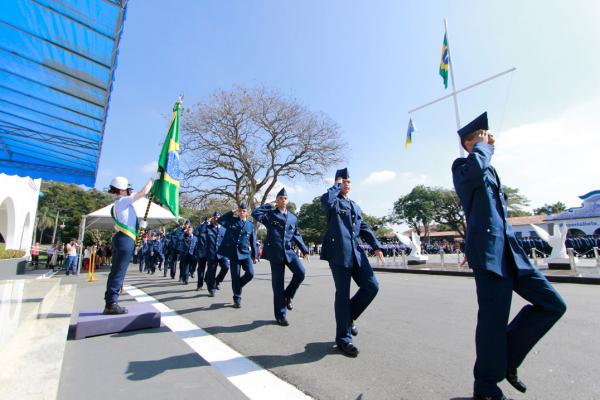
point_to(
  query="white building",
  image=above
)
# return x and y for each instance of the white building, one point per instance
(18, 207)
(584, 220)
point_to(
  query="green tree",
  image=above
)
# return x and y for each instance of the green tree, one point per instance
(448, 210)
(417, 209)
(515, 202)
(71, 202)
(312, 221)
(555, 208)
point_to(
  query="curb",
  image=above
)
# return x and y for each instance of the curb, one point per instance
(583, 280)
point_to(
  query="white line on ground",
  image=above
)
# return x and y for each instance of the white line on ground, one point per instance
(254, 381)
(47, 275)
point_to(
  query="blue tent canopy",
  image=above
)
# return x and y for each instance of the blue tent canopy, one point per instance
(57, 63)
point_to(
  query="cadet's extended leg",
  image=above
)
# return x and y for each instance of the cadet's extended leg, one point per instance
(211, 270)
(368, 288)
(224, 263)
(298, 276)
(248, 271)
(535, 319)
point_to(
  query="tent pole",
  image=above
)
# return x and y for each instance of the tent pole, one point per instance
(81, 236)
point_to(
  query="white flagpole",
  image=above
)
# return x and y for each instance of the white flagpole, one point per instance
(451, 71)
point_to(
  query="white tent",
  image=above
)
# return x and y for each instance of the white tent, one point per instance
(102, 220)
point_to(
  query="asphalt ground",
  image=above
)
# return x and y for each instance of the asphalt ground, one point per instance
(416, 342)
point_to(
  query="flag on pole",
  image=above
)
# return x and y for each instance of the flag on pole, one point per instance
(166, 189)
(409, 132)
(444, 62)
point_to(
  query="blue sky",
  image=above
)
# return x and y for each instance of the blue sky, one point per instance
(366, 64)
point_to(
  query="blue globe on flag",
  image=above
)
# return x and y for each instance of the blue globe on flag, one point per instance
(172, 167)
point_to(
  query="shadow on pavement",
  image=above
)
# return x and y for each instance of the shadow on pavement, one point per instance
(462, 398)
(213, 306)
(239, 328)
(313, 352)
(141, 370)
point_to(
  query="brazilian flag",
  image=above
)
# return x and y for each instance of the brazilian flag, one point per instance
(166, 189)
(444, 62)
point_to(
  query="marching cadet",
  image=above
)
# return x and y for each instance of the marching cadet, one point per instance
(180, 246)
(282, 233)
(199, 251)
(500, 266)
(123, 242)
(214, 237)
(239, 245)
(142, 252)
(347, 259)
(187, 258)
(173, 250)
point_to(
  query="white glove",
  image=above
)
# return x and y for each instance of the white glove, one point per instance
(144, 224)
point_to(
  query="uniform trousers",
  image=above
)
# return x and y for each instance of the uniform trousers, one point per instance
(349, 309)
(187, 260)
(237, 281)
(201, 271)
(122, 251)
(280, 293)
(501, 345)
(173, 262)
(211, 271)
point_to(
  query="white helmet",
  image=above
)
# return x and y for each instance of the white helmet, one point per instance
(119, 182)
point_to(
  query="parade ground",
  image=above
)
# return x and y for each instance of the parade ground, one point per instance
(416, 342)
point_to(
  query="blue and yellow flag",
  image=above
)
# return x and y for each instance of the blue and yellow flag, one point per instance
(409, 132)
(445, 62)
(166, 189)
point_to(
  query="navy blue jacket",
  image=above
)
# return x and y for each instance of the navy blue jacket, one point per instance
(239, 241)
(344, 227)
(200, 234)
(155, 246)
(484, 202)
(214, 237)
(282, 231)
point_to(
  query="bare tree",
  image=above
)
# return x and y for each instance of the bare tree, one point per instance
(239, 143)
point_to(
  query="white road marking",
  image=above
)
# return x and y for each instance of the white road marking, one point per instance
(254, 381)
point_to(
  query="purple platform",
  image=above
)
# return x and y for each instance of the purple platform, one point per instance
(94, 323)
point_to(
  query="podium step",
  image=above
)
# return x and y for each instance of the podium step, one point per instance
(94, 323)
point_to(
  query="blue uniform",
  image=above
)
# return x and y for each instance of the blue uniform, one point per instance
(186, 247)
(282, 233)
(199, 251)
(141, 254)
(500, 266)
(347, 260)
(214, 237)
(239, 245)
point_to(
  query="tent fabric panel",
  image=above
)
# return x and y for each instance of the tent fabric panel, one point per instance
(57, 63)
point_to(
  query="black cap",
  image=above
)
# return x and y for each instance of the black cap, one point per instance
(187, 221)
(216, 214)
(342, 173)
(282, 192)
(243, 206)
(478, 123)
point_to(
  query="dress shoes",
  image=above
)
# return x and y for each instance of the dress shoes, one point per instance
(237, 305)
(114, 309)
(483, 397)
(282, 322)
(288, 303)
(513, 379)
(348, 349)
(211, 293)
